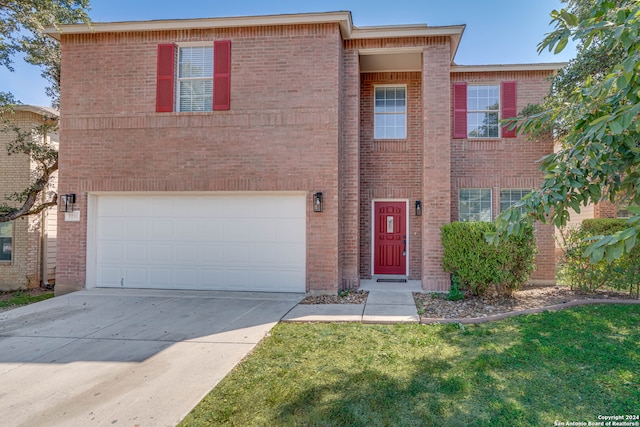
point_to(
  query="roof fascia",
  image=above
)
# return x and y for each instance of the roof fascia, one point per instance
(343, 18)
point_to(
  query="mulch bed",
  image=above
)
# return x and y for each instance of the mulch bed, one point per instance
(351, 297)
(436, 306)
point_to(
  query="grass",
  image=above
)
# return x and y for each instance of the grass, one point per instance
(18, 298)
(570, 365)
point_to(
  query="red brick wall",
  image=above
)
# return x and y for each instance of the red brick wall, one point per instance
(281, 133)
(391, 169)
(604, 209)
(505, 163)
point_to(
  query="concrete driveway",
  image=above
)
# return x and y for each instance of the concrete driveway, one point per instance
(125, 357)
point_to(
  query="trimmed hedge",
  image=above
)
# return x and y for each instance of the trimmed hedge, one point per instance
(481, 267)
(578, 272)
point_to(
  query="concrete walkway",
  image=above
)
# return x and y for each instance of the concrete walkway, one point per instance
(387, 303)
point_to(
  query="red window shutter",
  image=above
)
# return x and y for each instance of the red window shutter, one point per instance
(459, 110)
(509, 107)
(222, 75)
(164, 87)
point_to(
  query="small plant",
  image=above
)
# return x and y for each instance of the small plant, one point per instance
(455, 294)
(344, 293)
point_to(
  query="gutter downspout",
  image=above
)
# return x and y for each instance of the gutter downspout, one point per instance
(44, 281)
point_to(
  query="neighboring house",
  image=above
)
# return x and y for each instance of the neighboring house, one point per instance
(28, 244)
(292, 153)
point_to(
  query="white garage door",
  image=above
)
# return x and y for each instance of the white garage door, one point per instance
(222, 242)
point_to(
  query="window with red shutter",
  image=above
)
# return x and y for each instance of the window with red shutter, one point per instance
(222, 75)
(460, 110)
(509, 107)
(201, 81)
(165, 77)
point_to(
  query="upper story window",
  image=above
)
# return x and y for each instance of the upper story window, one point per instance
(390, 112)
(478, 108)
(195, 78)
(197, 75)
(6, 241)
(483, 111)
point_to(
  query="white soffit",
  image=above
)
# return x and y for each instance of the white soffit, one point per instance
(389, 62)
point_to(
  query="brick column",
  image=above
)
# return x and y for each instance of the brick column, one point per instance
(349, 170)
(436, 194)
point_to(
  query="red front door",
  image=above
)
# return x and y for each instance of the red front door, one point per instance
(390, 238)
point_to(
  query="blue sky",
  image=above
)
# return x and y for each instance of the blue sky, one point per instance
(497, 32)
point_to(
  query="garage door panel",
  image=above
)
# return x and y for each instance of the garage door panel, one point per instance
(160, 230)
(135, 253)
(235, 231)
(111, 207)
(185, 254)
(111, 252)
(136, 229)
(235, 255)
(136, 277)
(248, 242)
(160, 254)
(242, 207)
(110, 276)
(138, 206)
(166, 205)
(210, 278)
(211, 230)
(289, 255)
(186, 230)
(212, 207)
(185, 278)
(210, 254)
(288, 231)
(161, 277)
(111, 228)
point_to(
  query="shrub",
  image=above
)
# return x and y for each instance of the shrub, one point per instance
(579, 273)
(479, 266)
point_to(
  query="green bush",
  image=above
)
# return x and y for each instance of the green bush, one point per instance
(481, 267)
(578, 272)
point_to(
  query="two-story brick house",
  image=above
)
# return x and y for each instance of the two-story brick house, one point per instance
(282, 153)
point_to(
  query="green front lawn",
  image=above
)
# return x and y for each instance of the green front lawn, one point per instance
(571, 365)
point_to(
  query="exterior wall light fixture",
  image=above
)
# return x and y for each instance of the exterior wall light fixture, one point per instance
(317, 202)
(66, 202)
(418, 208)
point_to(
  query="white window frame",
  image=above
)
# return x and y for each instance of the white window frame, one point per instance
(179, 79)
(12, 237)
(498, 111)
(523, 191)
(375, 114)
(475, 189)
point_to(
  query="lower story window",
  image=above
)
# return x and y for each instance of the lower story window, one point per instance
(511, 196)
(6, 240)
(474, 204)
